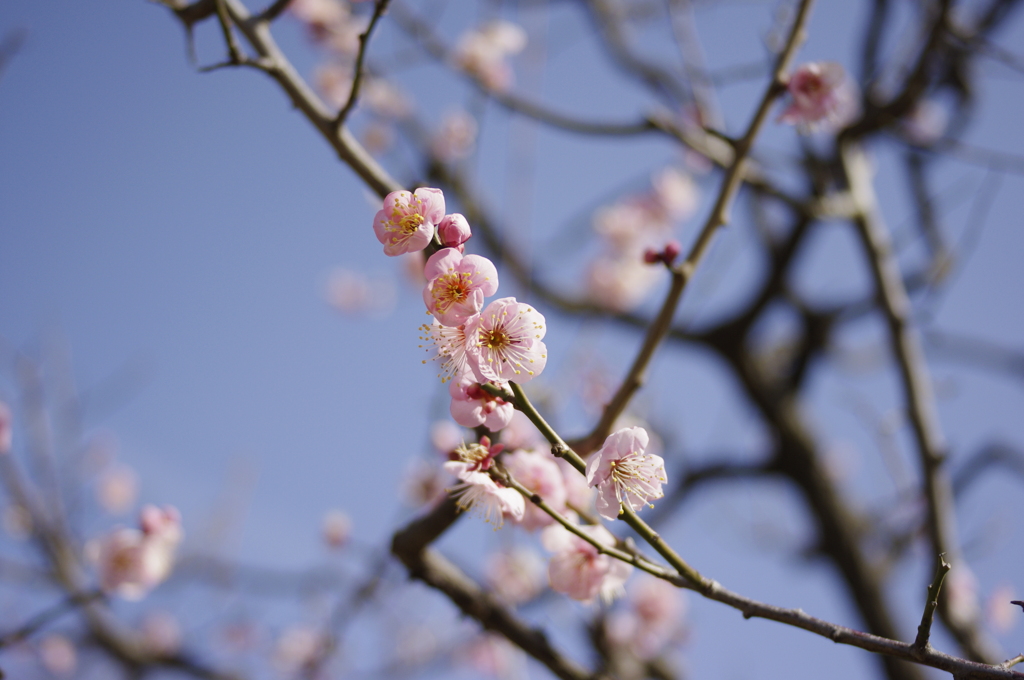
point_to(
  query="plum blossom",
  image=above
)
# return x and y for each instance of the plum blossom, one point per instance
(336, 529)
(454, 231)
(134, 561)
(539, 473)
(475, 456)
(620, 283)
(578, 569)
(450, 344)
(481, 494)
(58, 656)
(423, 484)
(653, 618)
(457, 285)
(503, 342)
(456, 137)
(624, 474)
(472, 406)
(515, 575)
(117, 489)
(406, 222)
(820, 94)
(484, 53)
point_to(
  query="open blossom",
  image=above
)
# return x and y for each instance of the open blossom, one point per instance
(406, 222)
(539, 473)
(820, 93)
(480, 493)
(472, 406)
(578, 569)
(653, 619)
(503, 342)
(484, 53)
(624, 474)
(457, 285)
(133, 561)
(450, 343)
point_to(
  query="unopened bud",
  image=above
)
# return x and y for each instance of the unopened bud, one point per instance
(454, 231)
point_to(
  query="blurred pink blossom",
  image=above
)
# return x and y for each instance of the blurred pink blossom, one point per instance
(484, 53)
(457, 285)
(297, 647)
(5, 428)
(445, 436)
(820, 94)
(522, 434)
(620, 283)
(117, 489)
(57, 655)
(493, 655)
(1000, 614)
(161, 633)
(424, 484)
(406, 222)
(515, 575)
(472, 406)
(624, 474)
(336, 528)
(455, 138)
(539, 473)
(132, 561)
(384, 98)
(503, 342)
(352, 292)
(652, 619)
(926, 122)
(334, 81)
(578, 569)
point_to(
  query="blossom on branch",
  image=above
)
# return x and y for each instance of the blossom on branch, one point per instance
(578, 569)
(481, 494)
(134, 561)
(483, 53)
(473, 406)
(540, 474)
(454, 231)
(503, 342)
(406, 222)
(820, 94)
(624, 474)
(457, 285)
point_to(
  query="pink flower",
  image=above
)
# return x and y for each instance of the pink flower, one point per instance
(503, 342)
(336, 528)
(457, 285)
(484, 52)
(473, 406)
(820, 93)
(477, 456)
(624, 474)
(653, 619)
(450, 343)
(454, 231)
(131, 561)
(58, 656)
(480, 493)
(578, 569)
(515, 575)
(406, 222)
(539, 473)
(456, 138)
(620, 283)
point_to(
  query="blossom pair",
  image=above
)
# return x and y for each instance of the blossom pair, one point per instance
(132, 562)
(408, 220)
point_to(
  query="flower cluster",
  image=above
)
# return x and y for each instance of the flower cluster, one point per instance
(634, 226)
(482, 347)
(132, 562)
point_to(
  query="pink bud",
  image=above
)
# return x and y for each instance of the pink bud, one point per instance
(671, 252)
(454, 231)
(652, 256)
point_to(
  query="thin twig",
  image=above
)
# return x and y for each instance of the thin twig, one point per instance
(924, 629)
(357, 79)
(48, 616)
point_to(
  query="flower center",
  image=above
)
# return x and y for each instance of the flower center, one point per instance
(495, 338)
(452, 289)
(408, 224)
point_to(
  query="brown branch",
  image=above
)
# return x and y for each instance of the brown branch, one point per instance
(916, 385)
(719, 217)
(379, 7)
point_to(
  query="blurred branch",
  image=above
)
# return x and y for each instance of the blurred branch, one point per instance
(47, 617)
(379, 7)
(917, 391)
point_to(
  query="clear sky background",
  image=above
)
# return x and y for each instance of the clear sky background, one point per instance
(170, 234)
